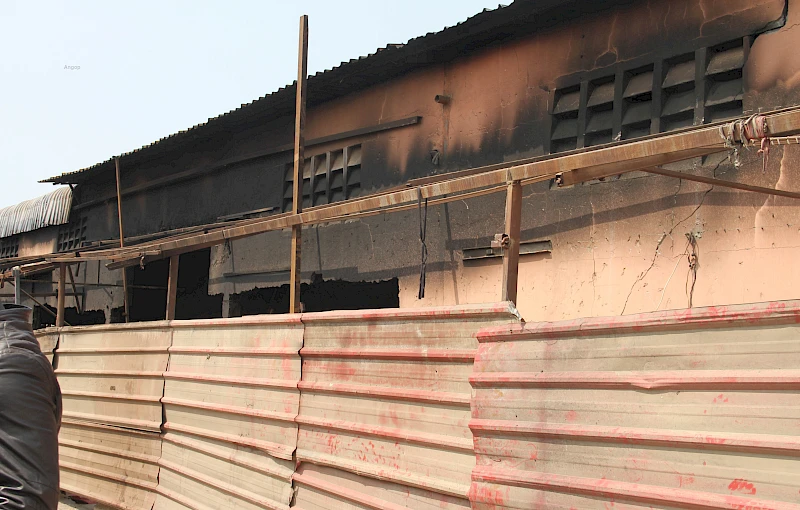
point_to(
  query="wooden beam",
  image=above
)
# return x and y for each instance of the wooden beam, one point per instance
(122, 242)
(172, 287)
(17, 285)
(511, 252)
(62, 277)
(299, 160)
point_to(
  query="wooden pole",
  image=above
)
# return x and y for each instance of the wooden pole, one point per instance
(122, 243)
(511, 252)
(62, 278)
(299, 159)
(172, 287)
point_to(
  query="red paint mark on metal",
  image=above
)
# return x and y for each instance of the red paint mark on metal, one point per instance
(740, 485)
(720, 399)
(572, 416)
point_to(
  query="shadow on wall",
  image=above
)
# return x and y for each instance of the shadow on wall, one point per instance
(318, 296)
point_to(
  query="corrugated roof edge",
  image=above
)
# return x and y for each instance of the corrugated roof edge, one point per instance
(72, 177)
(44, 211)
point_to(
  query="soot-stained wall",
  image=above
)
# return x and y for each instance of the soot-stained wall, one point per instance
(618, 246)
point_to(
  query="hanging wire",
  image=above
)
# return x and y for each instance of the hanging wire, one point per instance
(422, 208)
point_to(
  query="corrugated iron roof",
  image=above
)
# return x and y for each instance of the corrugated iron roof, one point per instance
(44, 211)
(488, 26)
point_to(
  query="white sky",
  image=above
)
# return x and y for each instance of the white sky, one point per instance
(151, 68)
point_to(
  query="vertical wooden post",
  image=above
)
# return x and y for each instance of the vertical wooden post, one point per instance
(172, 286)
(17, 285)
(62, 278)
(299, 159)
(122, 243)
(511, 253)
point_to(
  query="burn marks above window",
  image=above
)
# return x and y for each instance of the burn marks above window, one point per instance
(641, 98)
(328, 177)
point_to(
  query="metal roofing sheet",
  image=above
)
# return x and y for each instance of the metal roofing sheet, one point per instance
(40, 212)
(391, 60)
(682, 409)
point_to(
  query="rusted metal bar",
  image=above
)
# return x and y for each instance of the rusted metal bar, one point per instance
(573, 167)
(62, 276)
(720, 182)
(74, 289)
(172, 287)
(511, 251)
(299, 159)
(122, 242)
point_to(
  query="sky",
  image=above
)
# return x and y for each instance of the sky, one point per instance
(83, 81)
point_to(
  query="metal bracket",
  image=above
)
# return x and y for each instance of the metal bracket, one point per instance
(501, 241)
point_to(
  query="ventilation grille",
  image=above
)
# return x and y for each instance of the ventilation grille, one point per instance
(9, 247)
(329, 177)
(698, 87)
(72, 235)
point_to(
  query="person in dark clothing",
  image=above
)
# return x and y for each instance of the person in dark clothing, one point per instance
(30, 417)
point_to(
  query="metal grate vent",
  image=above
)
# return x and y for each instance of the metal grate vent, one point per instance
(643, 98)
(9, 247)
(72, 235)
(333, 176)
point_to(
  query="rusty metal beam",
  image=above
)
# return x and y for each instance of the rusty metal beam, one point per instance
(572, 168)
(74, 290)
(122, 242)
(172, 287)
(721, 183)
(299, 160)
(511, 251)
(62, 276)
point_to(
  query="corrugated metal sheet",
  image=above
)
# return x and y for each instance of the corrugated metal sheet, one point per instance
(112, 466)
(113, 375)
(384, 407)
(44, 211)
(230, 402)
(687, 409)
(48, 340)
(111, 380)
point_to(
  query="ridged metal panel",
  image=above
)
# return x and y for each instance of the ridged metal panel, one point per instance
(385, 404)
(40, 212)
(686, 409)
(48, 340)
(230, 401)
(113, 375)
(111, 466)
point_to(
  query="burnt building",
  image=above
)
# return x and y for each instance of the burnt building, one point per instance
(521, 82)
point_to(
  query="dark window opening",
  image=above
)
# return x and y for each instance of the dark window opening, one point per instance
(319, 296)
(42, 318)
(149, 289)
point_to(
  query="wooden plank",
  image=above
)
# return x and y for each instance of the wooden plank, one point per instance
(299, 160)
(511, 253)
(122, 241)
(62, 277)
(172, 287)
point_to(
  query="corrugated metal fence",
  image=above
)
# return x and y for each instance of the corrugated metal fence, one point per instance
(688, 409)
(381, 392)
